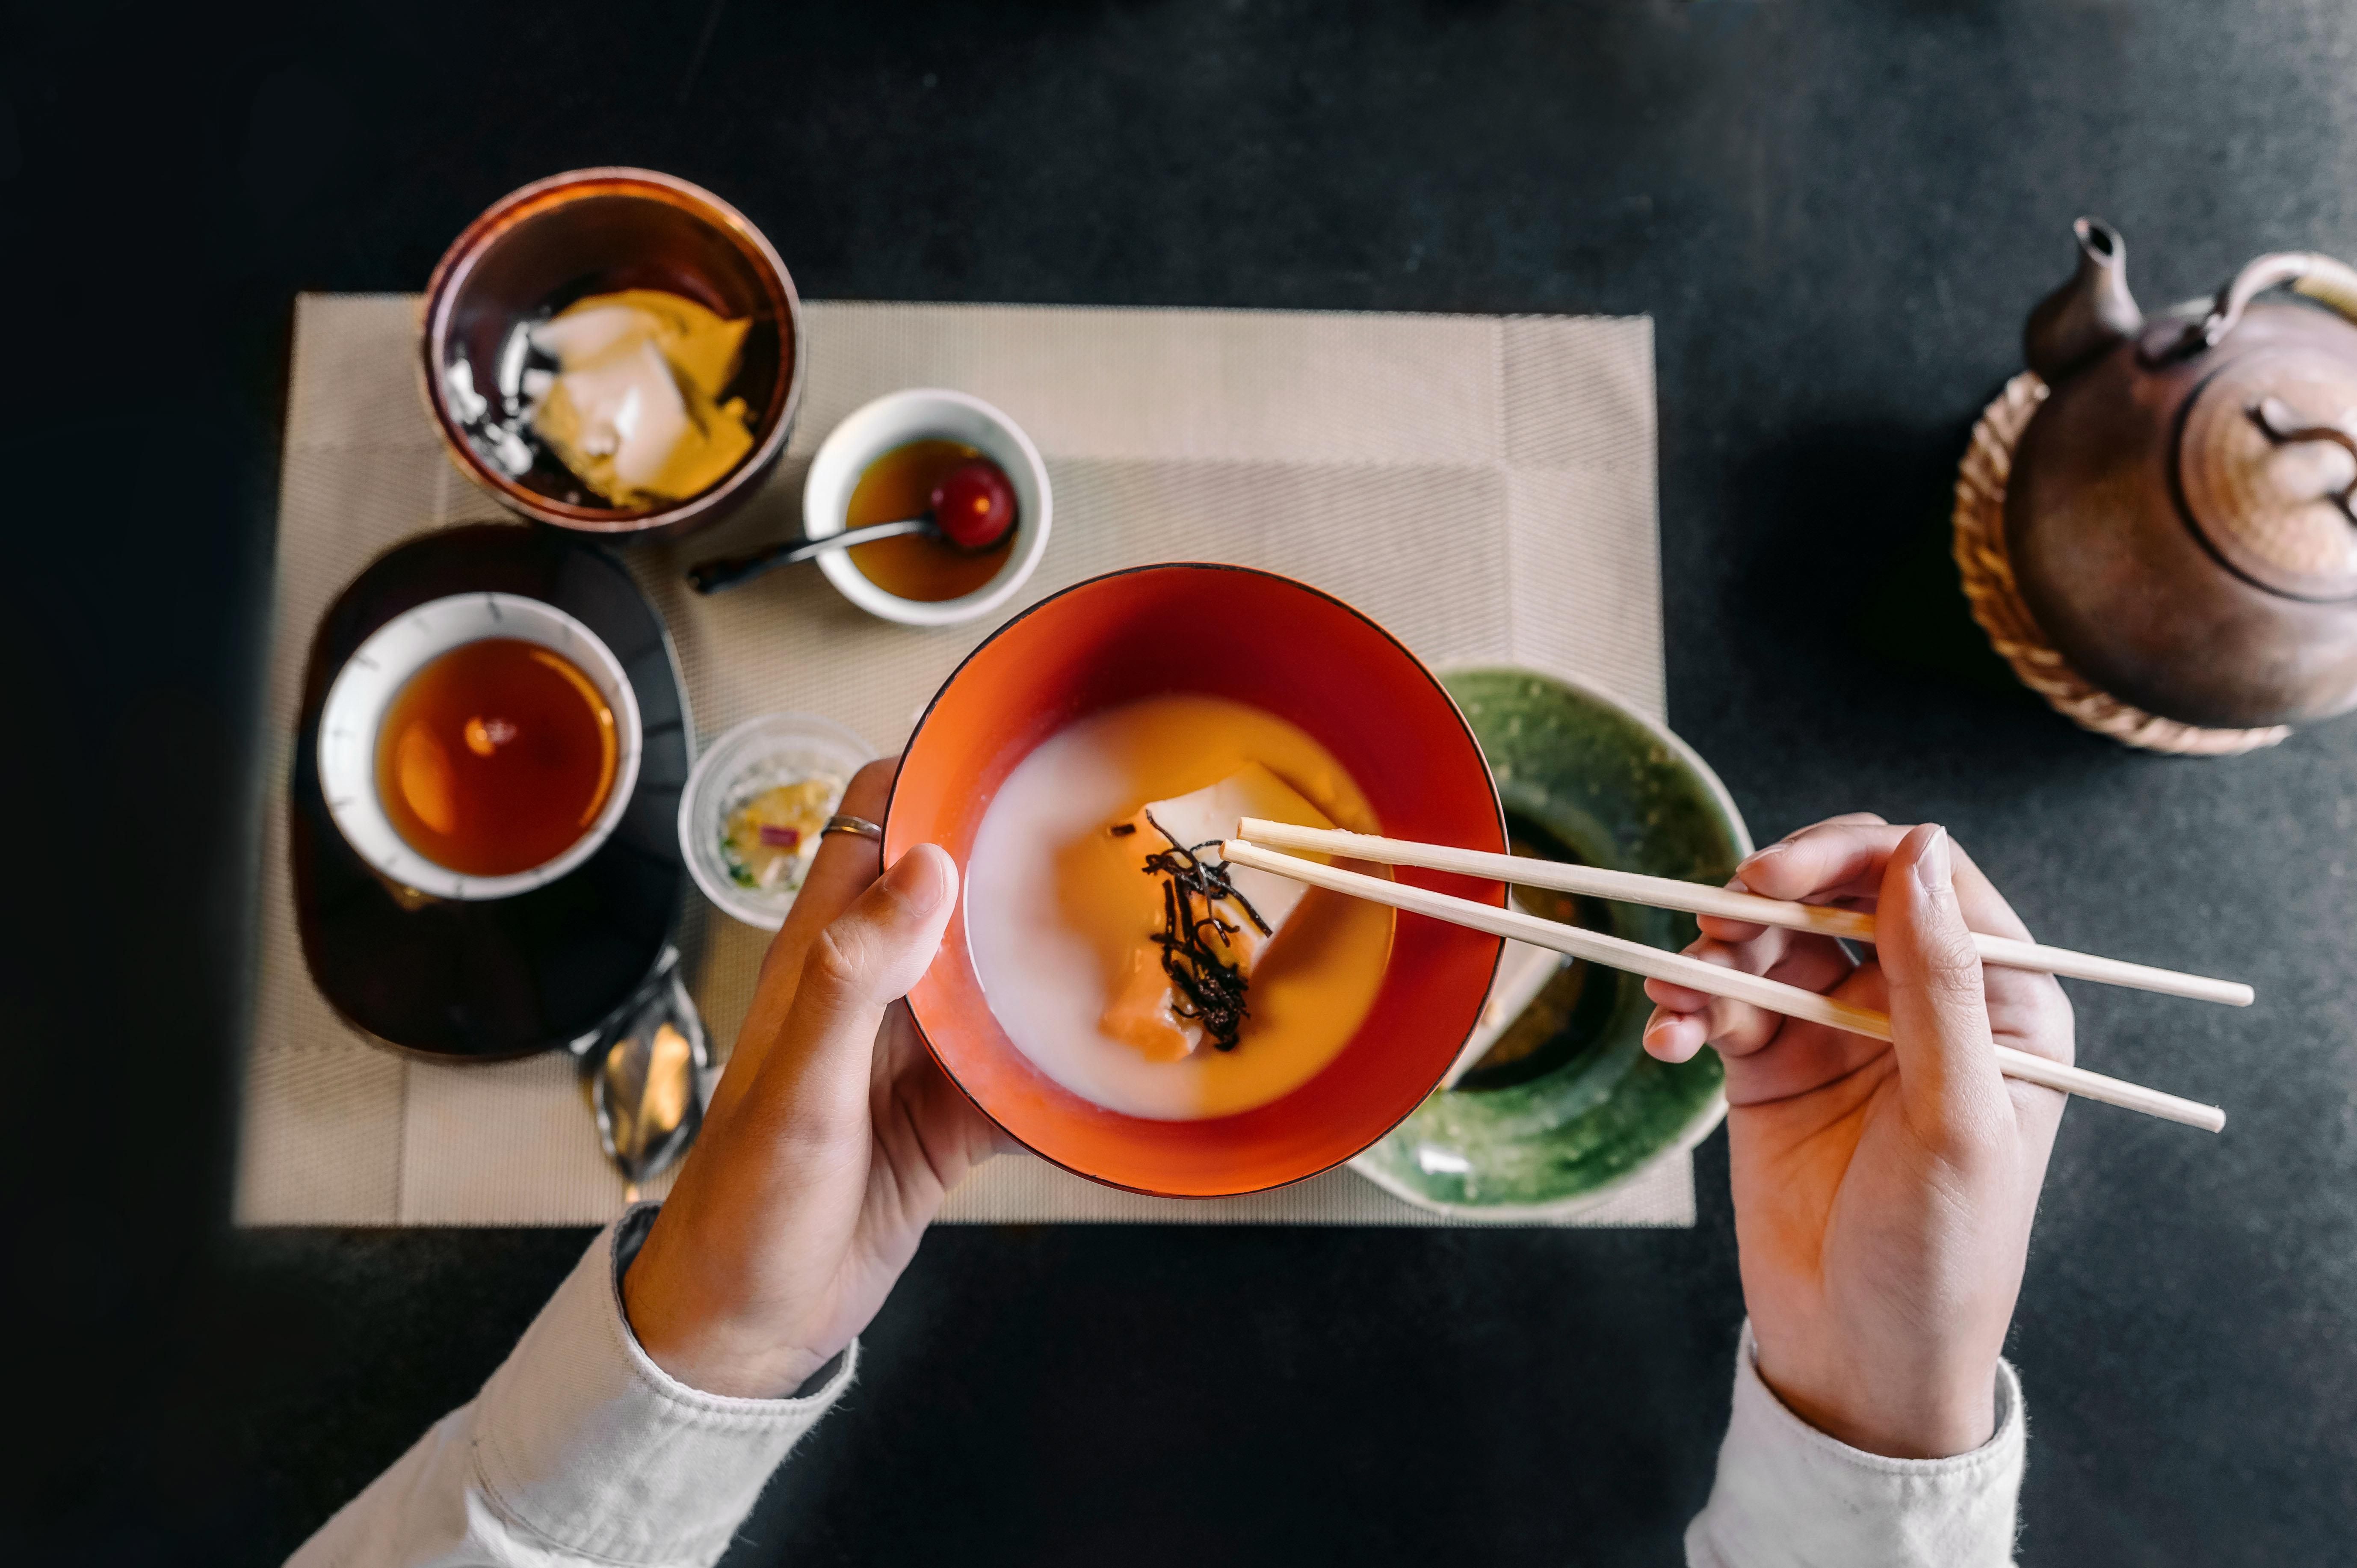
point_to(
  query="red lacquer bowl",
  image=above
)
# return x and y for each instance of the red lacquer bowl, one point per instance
(1295, 652)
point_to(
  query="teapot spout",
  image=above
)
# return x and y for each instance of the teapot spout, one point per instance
(2088, 315)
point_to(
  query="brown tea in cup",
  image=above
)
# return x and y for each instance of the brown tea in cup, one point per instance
(496, 757)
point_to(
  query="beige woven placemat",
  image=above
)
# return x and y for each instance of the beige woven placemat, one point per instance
(1484, 487)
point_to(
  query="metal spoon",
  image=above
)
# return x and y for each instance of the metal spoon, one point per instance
(976, 496)
(649, 1076)
(711, 576)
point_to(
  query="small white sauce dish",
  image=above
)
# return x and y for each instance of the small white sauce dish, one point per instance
(375, 673)
(776, 748)
(926, 414)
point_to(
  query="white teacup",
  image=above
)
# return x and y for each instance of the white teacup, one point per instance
(365, 687)
(926, 413)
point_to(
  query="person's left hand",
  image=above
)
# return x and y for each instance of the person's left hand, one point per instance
(831, 1139)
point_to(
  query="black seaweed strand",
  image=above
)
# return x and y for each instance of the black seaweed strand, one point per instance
(1194, 944)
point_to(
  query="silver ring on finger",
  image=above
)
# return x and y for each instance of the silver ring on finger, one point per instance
(857, 827)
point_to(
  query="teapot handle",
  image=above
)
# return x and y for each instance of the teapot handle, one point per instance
(2319, 277)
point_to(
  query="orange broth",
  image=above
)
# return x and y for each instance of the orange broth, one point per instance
(1057, 908)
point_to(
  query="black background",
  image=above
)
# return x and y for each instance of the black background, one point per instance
(1836, 212)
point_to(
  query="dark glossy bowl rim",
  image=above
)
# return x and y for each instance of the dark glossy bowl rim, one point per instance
(459, 262)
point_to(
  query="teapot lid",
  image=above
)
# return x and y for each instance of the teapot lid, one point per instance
(2266, 463)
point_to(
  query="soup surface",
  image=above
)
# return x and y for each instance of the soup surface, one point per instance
(1069, 919)
(495, 756)
(914, 566)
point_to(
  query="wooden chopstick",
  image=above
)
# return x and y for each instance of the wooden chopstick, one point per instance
(1667, 893)
(1678, 969)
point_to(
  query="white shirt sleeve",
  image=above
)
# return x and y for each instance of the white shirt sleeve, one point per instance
(578, 1450)
(1788, 1495)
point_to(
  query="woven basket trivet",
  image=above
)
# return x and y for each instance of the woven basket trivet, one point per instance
(1997, 603)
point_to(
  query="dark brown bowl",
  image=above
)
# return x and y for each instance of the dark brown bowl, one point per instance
(592, 231)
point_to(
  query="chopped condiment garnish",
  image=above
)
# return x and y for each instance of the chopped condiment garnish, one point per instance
(767, 838)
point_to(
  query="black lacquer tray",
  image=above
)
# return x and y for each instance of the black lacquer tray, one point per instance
(505, 977)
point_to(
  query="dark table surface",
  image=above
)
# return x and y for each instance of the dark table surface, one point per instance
(1836, 214)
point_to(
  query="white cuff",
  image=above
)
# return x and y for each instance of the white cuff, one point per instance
(581, 1440)
(1789, 1495)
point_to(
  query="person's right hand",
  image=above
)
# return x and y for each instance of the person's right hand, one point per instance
(1883, 1193)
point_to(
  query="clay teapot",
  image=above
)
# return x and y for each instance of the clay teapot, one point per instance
(2181, 514)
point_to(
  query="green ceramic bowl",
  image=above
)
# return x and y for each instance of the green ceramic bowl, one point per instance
(1568, 1108)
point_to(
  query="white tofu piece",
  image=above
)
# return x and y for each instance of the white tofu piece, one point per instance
(585, 337)
(1209, 815)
